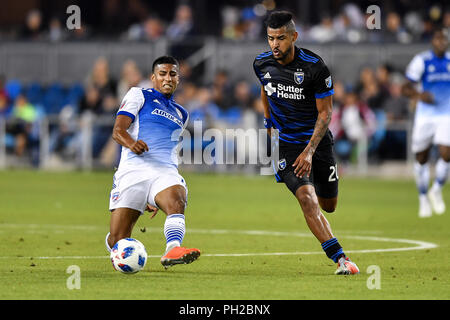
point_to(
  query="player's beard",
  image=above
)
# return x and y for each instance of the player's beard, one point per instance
(283, 54)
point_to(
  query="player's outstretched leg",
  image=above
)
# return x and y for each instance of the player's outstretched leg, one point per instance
(173, 202)
(321, 229)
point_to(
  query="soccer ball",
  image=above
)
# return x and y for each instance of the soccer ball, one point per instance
(128, 256)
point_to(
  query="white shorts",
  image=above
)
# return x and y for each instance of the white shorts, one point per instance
(134, 188)
(430, 130)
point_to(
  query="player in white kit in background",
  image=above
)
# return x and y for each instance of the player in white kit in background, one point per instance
(430, 70)
(148, 126)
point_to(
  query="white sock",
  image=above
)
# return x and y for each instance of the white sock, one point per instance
(106, 243)
(422, 175)
(174, 230)
(441, 174)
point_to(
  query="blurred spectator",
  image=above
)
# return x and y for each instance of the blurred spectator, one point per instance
(250, 25)
(446, 20)
(103, 130)
(5, 109)
(63, 140)
(186, 73)
(397, 111)
(242, 97)
(349, 25)
(202, 108)
(230, 20)
(79, 34)
(383, 73)
(151, 29)
(101, 79)
(355, 122)
(23, 110)
(323, 32)
(33, 28)
(24, 114)
(183, 25)
(131, 76)
(396, 106)
(56, 32)
(222, 90)
(394, 31)
(91, 101)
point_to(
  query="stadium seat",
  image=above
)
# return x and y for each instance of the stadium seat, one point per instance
(54, 98)
(34, 93)
(13, 88)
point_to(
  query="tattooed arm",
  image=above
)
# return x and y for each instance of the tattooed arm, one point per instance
(303, 162)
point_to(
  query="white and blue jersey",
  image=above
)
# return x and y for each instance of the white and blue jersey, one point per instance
(432, 73)
(158, 121)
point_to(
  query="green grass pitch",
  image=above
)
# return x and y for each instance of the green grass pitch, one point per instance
(255, 243)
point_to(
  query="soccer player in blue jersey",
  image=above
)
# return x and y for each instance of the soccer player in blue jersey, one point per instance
(296, 91)
(148, 126)
(430, 70)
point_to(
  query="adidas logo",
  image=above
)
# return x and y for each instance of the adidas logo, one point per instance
(267, 76)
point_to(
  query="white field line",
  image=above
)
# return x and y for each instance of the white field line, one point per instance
(416, 244)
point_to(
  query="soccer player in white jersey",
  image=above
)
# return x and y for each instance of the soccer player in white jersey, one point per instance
(429, 83)
(148, 126)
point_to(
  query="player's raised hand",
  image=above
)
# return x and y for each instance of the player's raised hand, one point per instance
(139, 147)
(303, 163)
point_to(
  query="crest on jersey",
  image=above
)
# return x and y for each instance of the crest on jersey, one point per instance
(281, 164)
(299, 77)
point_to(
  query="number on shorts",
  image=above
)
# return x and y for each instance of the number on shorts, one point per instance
(334, 174)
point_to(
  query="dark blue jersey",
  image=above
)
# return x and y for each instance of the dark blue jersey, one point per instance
(292, 91)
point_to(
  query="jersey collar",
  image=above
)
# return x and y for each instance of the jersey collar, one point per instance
(163, 96)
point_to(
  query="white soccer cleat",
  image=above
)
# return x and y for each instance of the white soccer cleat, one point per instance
(424, 207)
(436, 201)
(346, 267)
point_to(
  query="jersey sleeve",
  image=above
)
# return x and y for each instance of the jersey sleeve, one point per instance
(131, 103)
(323, 83)
(415, 69)
(258, 72)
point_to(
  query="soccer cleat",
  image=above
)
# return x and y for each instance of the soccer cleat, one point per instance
(346, 267)
(436, 201)
(179, 255)
(424, 207)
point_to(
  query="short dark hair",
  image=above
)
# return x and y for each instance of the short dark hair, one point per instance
(279, 19)
(440, 29)
(164, 60)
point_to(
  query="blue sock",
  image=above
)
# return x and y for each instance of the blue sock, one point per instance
(333, 249)
(174, 229)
